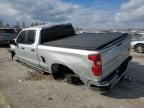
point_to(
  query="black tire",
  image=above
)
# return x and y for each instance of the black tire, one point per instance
(139, 48)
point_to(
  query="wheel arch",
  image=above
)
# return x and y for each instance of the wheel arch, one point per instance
(138, 44)
(56, 67)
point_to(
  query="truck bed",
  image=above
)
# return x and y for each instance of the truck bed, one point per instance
(88, 41)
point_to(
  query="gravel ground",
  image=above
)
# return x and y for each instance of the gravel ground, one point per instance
(26, 88)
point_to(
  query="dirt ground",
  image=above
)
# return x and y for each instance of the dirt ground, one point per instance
(23, 88)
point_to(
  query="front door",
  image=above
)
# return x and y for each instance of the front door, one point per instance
(20, 50)
(31, 48)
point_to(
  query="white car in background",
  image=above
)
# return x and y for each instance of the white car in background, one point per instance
(138, 46)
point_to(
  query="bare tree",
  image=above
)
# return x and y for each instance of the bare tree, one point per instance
(23, 25)
(18, 26)
(36, 24)
(32, 24)
(7, 25)
(43, 23)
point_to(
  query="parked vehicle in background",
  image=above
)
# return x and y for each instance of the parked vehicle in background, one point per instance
(97, 59)
(137, 42)
(7, 34)
(138, 46)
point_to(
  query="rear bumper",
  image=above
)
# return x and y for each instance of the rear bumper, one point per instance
(112, 79)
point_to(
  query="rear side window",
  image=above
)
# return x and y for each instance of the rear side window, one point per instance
(56, 32)
(22, 37)
(31, 37)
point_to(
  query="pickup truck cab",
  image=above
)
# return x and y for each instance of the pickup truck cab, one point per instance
(97, 59)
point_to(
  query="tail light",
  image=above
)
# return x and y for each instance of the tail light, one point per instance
(97, 64)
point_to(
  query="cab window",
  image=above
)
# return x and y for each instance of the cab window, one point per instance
(22, 37)
(30, 37)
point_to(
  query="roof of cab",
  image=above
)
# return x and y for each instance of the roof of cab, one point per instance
(47, 26)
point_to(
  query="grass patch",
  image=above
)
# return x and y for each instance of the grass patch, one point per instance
(3, 102)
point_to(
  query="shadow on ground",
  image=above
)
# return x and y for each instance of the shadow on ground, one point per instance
(133, 89)
(36, 76)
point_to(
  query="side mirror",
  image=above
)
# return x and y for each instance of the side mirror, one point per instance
(13, 42)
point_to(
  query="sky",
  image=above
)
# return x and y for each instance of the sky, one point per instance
(81, 13)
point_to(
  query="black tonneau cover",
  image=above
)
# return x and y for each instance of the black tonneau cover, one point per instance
(88, 41)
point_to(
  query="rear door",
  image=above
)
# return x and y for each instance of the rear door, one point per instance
(31, 48)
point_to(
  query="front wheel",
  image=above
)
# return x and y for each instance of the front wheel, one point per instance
(139, 48)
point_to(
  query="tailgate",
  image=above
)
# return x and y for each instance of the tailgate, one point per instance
(114, 54)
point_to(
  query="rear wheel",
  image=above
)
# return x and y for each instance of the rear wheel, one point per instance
(61, 72)
(139, 48)
(72, 79)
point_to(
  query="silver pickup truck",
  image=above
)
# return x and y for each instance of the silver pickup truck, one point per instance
(98, 59)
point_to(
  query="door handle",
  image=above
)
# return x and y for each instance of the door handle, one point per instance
(22, 48)
(32, 50)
